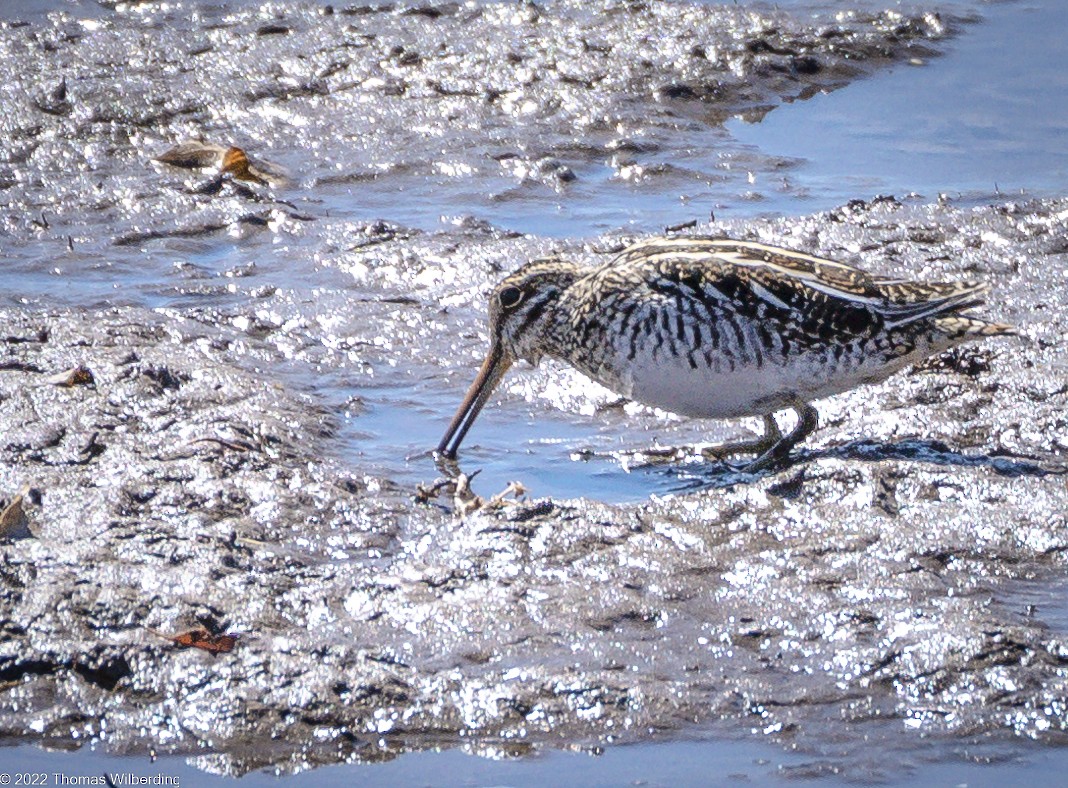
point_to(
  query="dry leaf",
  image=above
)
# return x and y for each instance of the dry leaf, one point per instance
(193, 155)
(424, 494)
(78, 376)
(202, 639)
(228, 160)
(514, 489)
(235, 161)
(13, 519)
(464, 499)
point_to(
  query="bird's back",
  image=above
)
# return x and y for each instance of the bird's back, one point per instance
(719, 328)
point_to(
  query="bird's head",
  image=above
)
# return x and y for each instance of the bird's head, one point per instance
(522, 307)
(521, 314)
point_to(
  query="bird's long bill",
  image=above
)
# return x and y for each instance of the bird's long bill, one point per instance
(493, 369)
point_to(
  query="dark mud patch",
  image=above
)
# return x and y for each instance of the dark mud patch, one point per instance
(843, 600)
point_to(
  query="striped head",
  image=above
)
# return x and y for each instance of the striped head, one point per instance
(521, 314)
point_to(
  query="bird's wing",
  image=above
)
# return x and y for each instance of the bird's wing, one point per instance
(784, 279)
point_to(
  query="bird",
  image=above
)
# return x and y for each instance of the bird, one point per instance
(717, 328)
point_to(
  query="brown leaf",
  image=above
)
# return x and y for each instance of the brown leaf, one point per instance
(193, 155)
(202, 639)
(13, 517)
(79, 376)
(235, 162)
(230, 160)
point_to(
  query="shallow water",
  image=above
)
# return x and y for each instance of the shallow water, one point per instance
(988, 117)
(671, 763)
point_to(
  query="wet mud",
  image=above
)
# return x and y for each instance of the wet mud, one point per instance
(461, 109)
(198, 449)
(186, 488)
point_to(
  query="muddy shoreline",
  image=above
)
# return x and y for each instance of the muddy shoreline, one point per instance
(863, 578)
(218, 470)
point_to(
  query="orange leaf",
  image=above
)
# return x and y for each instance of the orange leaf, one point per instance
(202, 639)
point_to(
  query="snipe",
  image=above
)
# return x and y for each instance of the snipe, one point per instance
(715, 328)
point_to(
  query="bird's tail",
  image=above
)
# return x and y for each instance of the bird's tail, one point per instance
(932, 301)
(960, 327)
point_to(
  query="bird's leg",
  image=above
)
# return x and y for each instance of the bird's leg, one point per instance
(807, 421)
(770, 448)
(772, 436)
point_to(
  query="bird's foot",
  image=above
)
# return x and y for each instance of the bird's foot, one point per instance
(775, 457)
(771, 438)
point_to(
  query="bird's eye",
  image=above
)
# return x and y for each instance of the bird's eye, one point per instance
(510, 296)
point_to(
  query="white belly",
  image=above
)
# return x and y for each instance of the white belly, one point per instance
(704, 393)
(671, 384)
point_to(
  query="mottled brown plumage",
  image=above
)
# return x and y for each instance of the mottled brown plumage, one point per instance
(715, 328)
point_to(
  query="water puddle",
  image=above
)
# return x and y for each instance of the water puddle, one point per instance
(1044, 600)
(664, 764)
(548, 452)
(720, 762)
(990, 117)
